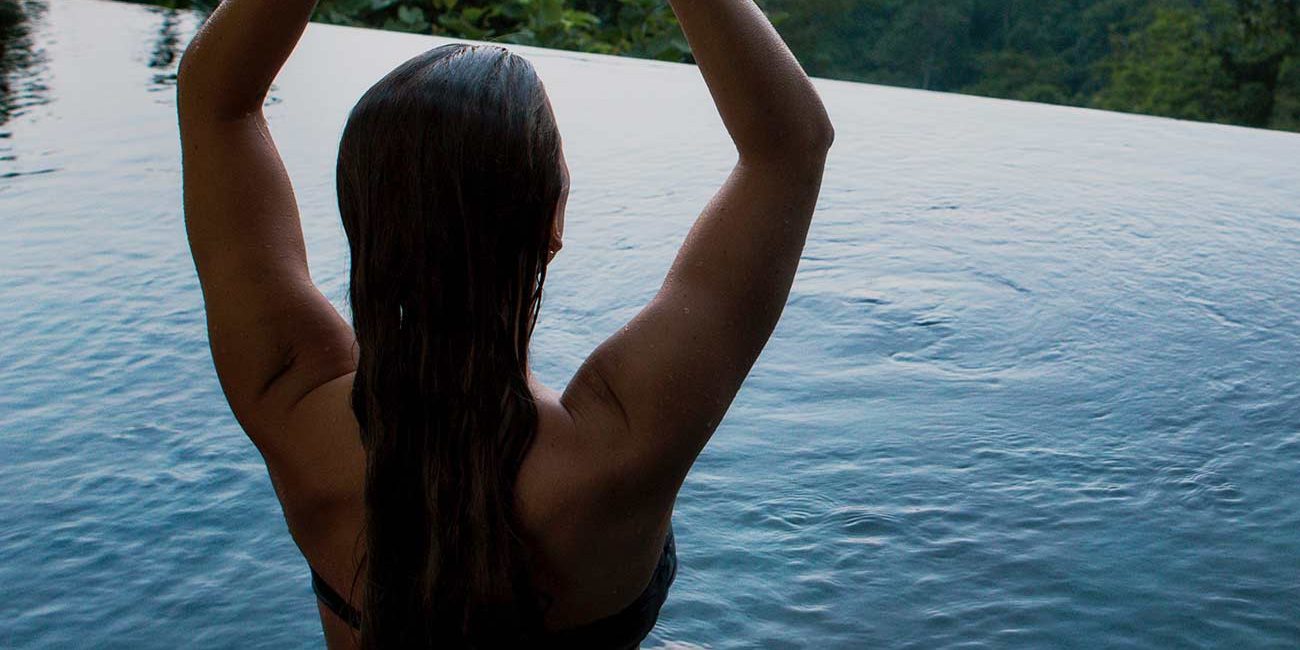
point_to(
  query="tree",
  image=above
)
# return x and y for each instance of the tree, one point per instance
(1222, 61)
(924, 42)
(1227, 60)
(1260, 37)
(1019, 75)
(1169, 68)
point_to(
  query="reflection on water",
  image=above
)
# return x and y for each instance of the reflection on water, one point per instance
(175, 27)
(20, 59)
(1035, 386)
(167, 49)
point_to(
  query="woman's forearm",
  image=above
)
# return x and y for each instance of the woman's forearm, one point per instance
(229, 66)
(766, 100)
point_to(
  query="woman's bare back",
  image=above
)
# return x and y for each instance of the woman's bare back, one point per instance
(590, 561)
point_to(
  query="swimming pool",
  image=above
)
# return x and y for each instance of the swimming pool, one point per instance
(1036, 385)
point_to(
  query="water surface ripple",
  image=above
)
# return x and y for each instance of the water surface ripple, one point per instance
(1035, 386)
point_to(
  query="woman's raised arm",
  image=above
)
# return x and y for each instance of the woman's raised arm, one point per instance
(655, 391)
(274, 337)
(229, 66)
(766, 100)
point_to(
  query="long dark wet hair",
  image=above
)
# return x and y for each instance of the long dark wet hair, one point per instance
(449, 177)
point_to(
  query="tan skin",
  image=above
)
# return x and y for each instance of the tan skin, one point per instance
(596, 490)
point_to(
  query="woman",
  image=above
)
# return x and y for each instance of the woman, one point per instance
(441, 495)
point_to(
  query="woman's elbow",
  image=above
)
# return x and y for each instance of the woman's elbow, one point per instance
(199, 94)
(186, 84)
(821, 129)
(812, 142)
(824, 136)
(806, 142)
(811, 138)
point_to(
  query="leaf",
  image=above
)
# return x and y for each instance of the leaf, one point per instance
(411, 15)
(551, 11)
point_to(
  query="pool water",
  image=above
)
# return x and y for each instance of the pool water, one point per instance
(1036, 385)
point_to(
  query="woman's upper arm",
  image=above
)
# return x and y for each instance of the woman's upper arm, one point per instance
(662, 384)
(274, 337)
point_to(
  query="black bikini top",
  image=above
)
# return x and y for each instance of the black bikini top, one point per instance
(622, 631)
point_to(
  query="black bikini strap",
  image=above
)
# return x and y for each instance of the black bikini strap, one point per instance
(334, 601)
(646, 605)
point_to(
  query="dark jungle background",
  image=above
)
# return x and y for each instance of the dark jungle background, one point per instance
(1231, 61)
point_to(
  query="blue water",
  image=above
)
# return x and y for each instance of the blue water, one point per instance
(1036, 385)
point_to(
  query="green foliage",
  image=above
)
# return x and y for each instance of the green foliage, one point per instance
(644, 28)
(1169, 68)
(640, 28)
(924, 42)
(1286, 114)
(1222, 60)
(1017, 75)
(1226, 60)
(1257, 41)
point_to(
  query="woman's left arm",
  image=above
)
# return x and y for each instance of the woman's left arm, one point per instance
(274, 337)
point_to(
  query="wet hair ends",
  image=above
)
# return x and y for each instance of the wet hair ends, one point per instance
(448, 176)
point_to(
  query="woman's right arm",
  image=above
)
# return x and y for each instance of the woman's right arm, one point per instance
(654, 392)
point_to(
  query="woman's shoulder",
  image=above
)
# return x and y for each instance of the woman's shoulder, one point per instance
(593, 556)
(578, 466)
